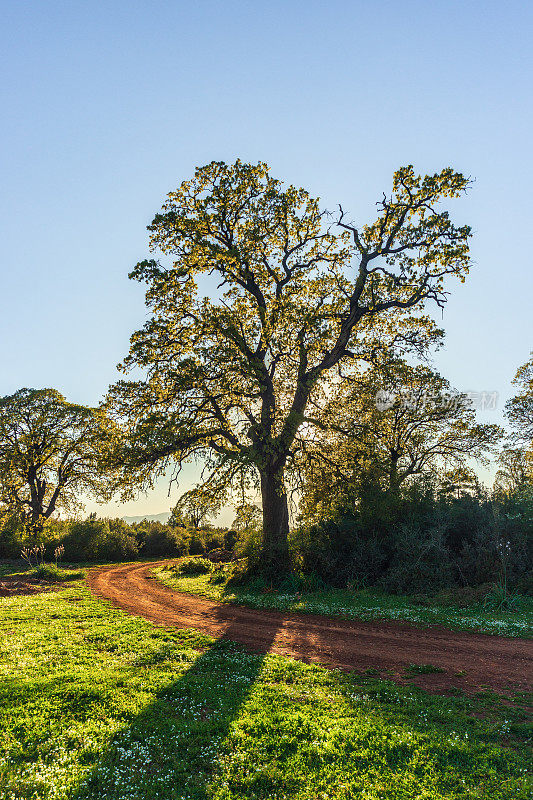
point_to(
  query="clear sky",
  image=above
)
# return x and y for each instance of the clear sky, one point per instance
(108, 106)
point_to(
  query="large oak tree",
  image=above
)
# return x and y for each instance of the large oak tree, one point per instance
(257, 297)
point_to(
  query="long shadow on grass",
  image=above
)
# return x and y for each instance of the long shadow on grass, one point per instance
(170, 748)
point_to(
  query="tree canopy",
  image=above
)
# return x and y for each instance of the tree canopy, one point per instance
(264, 297)
(387, 426)
(519, 409)
(194, 509)
(515, 470)
(50, 452)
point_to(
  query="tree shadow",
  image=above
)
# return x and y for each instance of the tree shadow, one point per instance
(170, 749)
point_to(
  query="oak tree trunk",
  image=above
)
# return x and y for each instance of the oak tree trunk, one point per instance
(275, 560)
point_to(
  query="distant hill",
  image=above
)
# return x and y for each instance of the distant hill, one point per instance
(164, 517)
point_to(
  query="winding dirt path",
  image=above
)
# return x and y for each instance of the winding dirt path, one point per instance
(493, 662)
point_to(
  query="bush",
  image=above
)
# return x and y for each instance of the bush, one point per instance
(337, 552)
(195, 566)
(118, 546)
(85, 539)
(420, 563)
(162, 540)
(524, 584)
(93, 540)
(230, 539)
(248, 544)
(49, 572)
(12, 538)
(421, 542)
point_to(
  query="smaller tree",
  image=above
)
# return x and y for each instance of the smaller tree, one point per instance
(459, 482)
(194, 509)
(247, 517)
(51, 451)
(390, 425)
(515, 470)
(519, 409)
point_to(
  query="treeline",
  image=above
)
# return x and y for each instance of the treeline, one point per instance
(95, 539)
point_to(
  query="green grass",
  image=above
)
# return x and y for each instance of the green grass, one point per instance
(364, 604)
(423, 669)
(48, 572)
(95, 704)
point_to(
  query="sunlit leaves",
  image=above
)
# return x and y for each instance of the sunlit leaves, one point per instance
(50, 452)
(259, 301)
(519, 409)
(387, 426)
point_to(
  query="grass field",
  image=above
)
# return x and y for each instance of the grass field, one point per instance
(365, 604)
(96, 704)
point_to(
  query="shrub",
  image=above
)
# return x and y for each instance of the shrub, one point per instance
(248, 545)
(49, 572)
(524, 584)
(196, 544)
(93, 540)
(421, 561)
(85, 539)
(213, 539)
(195, 566)
(220, 574)
(162, 540)
(230, 539)
(118, 545)
(418, 541)
(12, 537)
(338, 552)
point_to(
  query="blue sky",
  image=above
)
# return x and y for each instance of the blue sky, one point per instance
(107, 107)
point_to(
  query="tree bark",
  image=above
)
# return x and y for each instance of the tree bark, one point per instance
(394, 477)
(275, 558)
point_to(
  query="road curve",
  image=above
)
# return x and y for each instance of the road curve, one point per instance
(483, 661)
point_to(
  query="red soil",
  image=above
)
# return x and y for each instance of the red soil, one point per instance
(10, 587)
(488, 662)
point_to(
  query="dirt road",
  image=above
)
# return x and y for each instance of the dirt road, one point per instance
(471, 662)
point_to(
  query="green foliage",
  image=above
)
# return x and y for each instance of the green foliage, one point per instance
(163, 540)
(420, 562)
(384, 427)
(519, 409)
(49, 572)
(515, 473)
(230, 539)
(194, 509)
(421, 541)
(230, 378)
(195, 566)
(501, 599)
(524, 584)
(13, 536)
(339, 552)
(95, 540)
(109, 539)
(248, 544)
(51, 451)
